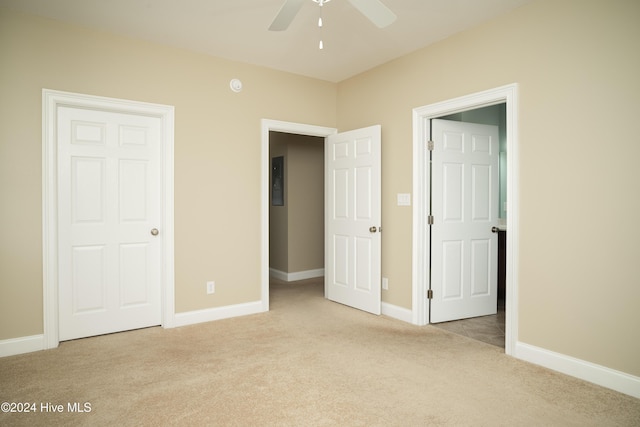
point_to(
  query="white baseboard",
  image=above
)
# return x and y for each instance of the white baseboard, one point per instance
(396, 312)
(33, 343)
(296, 275)
(277, 274)
(597, 374)
(21, 345)
(218, 313)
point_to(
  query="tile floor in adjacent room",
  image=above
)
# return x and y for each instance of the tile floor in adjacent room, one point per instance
(488, 329)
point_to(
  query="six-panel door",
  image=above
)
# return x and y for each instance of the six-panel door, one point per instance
(352, 260)
(108, 204)
(465, 208)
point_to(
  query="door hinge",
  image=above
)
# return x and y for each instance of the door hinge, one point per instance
(430, 294)
(430, 220)
(430, 145)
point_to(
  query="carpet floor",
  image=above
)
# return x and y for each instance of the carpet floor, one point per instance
(306, 362)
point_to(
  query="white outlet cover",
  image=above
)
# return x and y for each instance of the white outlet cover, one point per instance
(404, 199)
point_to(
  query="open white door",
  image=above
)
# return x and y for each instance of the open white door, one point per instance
(109, 254)
(465, 162)
(353, 218)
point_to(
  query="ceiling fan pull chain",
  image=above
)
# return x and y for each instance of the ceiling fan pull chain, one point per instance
(320, 3)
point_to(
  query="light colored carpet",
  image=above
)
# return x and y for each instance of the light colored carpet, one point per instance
(307, 362)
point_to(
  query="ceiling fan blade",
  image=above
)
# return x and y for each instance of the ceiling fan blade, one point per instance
(288, 11)
(377, 12)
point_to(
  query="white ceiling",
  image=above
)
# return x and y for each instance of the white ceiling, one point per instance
(237, 29)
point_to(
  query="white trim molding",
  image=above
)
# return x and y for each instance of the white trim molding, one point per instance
(597, 374)
(296, 275)
(14, 346)
(396, 312)
(51, 100)
(505, 94)
(218, 313)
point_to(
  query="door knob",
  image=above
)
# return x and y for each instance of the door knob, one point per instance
(154, 232)
(494, 229)
(372, 229)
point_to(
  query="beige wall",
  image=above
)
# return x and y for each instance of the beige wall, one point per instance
(279, 215)
(217, 142)
(577, 65)
(306, 204)
(297, 229)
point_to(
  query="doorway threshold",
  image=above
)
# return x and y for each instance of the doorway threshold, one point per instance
(488, 329)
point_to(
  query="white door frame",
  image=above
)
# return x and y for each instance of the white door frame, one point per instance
(51, 100)
(286, 127)
(505, 94)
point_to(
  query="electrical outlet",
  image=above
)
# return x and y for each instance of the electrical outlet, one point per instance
(385, 283)
(211, 287)
(404, 199)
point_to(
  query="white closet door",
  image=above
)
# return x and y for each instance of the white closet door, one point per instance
(108, 219)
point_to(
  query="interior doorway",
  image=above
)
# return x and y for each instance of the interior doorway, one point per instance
(296, 208)
(352, 209)
(506, 95)
(487, 327)
(269, 126)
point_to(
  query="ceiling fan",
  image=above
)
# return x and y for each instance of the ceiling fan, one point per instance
(374, 10)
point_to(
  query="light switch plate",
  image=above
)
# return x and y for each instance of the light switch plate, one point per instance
(404, 199)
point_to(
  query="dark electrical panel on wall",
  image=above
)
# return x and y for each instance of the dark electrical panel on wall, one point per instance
(277, 181)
